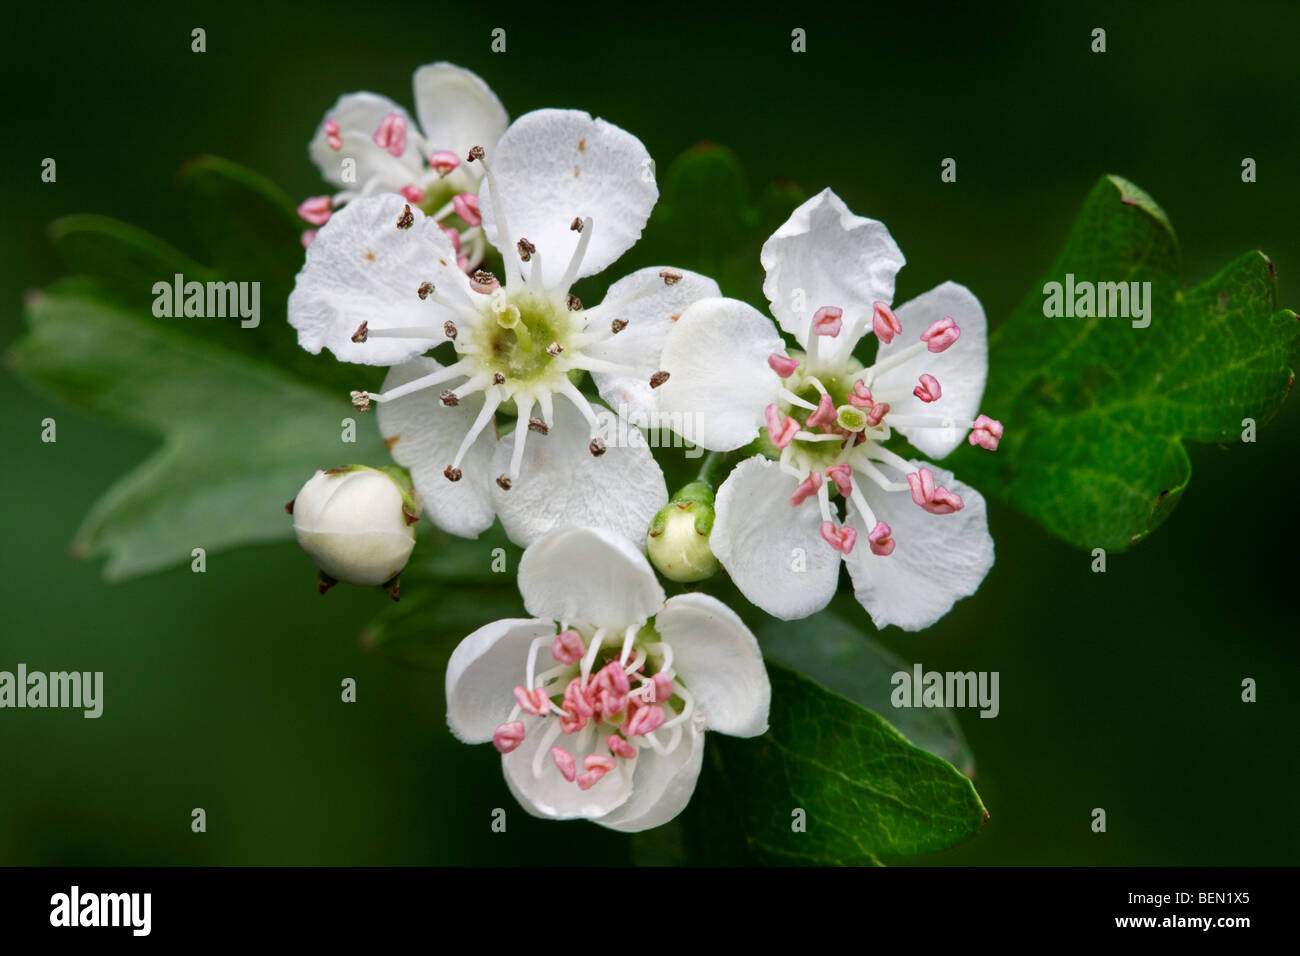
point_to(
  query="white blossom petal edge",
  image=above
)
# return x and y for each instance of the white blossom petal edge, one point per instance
(599, 705)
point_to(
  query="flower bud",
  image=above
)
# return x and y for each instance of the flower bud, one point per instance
(678, 540)
(358, 524)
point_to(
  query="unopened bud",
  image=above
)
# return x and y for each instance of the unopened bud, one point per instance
(358, 523)
(678, 539)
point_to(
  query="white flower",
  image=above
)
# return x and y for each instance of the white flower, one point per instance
(357, 524)
(425, 163)
(830, 279)
(599, 705)
(381, 286)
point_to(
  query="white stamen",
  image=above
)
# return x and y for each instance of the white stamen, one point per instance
(892, 360)
(580, 250)
(544, 748)
(425, 381)
(590, 657)
(570, 391)
(629, 638)
(794, 399)
(490, 404)
(524, 406)
(824, 500)
(504, 240)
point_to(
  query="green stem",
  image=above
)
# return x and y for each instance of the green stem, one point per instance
(710, 467)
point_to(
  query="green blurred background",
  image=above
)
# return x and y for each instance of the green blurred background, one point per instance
(1119, 690)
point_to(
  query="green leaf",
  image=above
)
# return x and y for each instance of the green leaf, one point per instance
(708, 221)
(868, 795)
(239, 437)
(845, 661)
(1096, 411)
(245, 414)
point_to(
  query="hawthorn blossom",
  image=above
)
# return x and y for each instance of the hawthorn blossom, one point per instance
(424, 162)
(599, 703)
(564, 195)
(914, 538)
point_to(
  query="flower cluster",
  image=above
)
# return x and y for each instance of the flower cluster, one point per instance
(598, 704)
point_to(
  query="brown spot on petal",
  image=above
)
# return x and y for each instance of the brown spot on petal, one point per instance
(370, 255)
(674, 318)
(582, 144)
(390, 442)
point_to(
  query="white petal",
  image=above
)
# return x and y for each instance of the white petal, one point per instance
(824, 255)
(557, 165)
(484, 670)
(588, 575)
(717, 658)
(773, 551)
(457, 110)
(358, 116)
(719, 383)
(937, 559)
(961, 369)
(638, 347)
(424, 435)
(361, 267)
(550, 795)
(661, 786)
(562, 484)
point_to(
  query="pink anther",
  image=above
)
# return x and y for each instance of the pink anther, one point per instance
(861, 396)
(466, 206)
(533, 701)
(567, 648)
(568, 767)
(806, 489)
(841, 538)
(316, 210)
(444, 161)
(391, 134)
(876, 413)
(929, 390)
(620, 747)
(842, 475)
(881, 539)
(987, 433)
(885, 323)
(828, 320)
(413, 193)
(644, 720)
(782, 365)
(508, 736)
(453, 234)
(332, 136)
(781, 432)
(663, 687)
(823, 415)
(308, 238)
(936, 500)
(941, 334)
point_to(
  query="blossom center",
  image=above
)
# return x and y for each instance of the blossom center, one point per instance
(609, 694)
